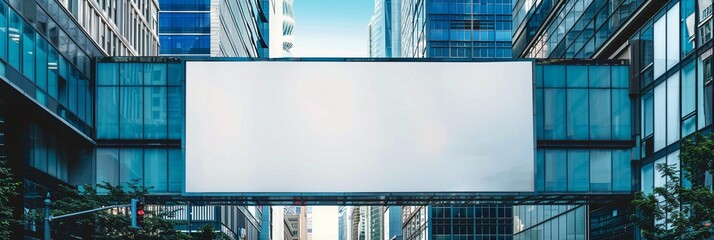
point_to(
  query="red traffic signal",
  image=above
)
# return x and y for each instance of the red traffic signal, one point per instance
(137, 213)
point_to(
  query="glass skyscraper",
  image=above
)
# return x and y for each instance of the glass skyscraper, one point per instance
(456, 28)
(240, 28)
(384, 29)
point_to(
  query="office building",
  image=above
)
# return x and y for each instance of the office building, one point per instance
(216, 28)
(384, 30)
(282, 25)
(120, 28)
(456, 28)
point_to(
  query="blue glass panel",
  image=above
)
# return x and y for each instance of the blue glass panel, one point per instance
(600, 76)
(175, 112)
(107, 166)
(554, 114)
(155, 113)
(155, 74)
(539, 113)
(647, 176)
(540, 171)
(130, 165)
(107, 112)
(578, 170)
(28, 51)
(689, 125)
(647, 114)
(72, 91)
(577, 114)
(41, 64)
(108, 74)
(577, 76)
(621, 114)
(176, 170)
(620, 78)
(688, 26)
(156, 169)
(600, 114)
(554, 76)
(185, 44)
(52, 74)
(14, 39)
(131, 73)
(175, 74)
(130, 115)
(600, 170)
(689, 88)
(184, 5)
(621, 170)
(184, 22)
(555, 170)
(3, 30)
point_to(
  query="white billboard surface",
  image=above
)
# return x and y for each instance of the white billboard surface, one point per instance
(359, 127)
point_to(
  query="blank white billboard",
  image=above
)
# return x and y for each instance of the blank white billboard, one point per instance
(359, 127)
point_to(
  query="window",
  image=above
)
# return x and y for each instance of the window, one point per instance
(3, 30)
(130, 114)
(14, 39)
(107, 112)
(621, 170)
(578, 170)
(704, 91)
(554, 114)
(600, 114)
(130, 165)
(688, 26)
(660, 109)
(600, 170)
(660, 47)
(155, 112)
(673, 116)
(673, 23)
(621, 115)
(647, 178)
(107, 166)
(156, 169)
(577, 114)
(555, 171)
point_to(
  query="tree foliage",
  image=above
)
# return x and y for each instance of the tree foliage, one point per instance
(111, 224)
(677, 210)
(8, 190)
(208, 232)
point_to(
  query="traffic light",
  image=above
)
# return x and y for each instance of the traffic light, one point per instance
(137, 213)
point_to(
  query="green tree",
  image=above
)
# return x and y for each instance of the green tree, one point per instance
(8, 190)
(112, 224)
(680, 209)
(207, 232)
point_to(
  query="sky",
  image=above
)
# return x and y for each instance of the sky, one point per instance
(330, 28)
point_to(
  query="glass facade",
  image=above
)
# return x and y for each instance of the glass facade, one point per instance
(550, 222)
(48, 65)
(674, 72)
(456, 28)
(140, 102)
(185, 28)
(579, 110)
(578, 29)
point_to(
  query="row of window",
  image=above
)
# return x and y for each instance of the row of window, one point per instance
(582, 27)
(185, 44)
(58, 85)
(582, 170)
(470, 7)
(159, 168)
(582, 103)
(180, 22)
(561, 222)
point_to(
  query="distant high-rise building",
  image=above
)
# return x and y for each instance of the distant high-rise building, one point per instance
(456, 28)
(384, 29)
(343, 220)
(120, 28)
(217, 28)
(282, 24)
